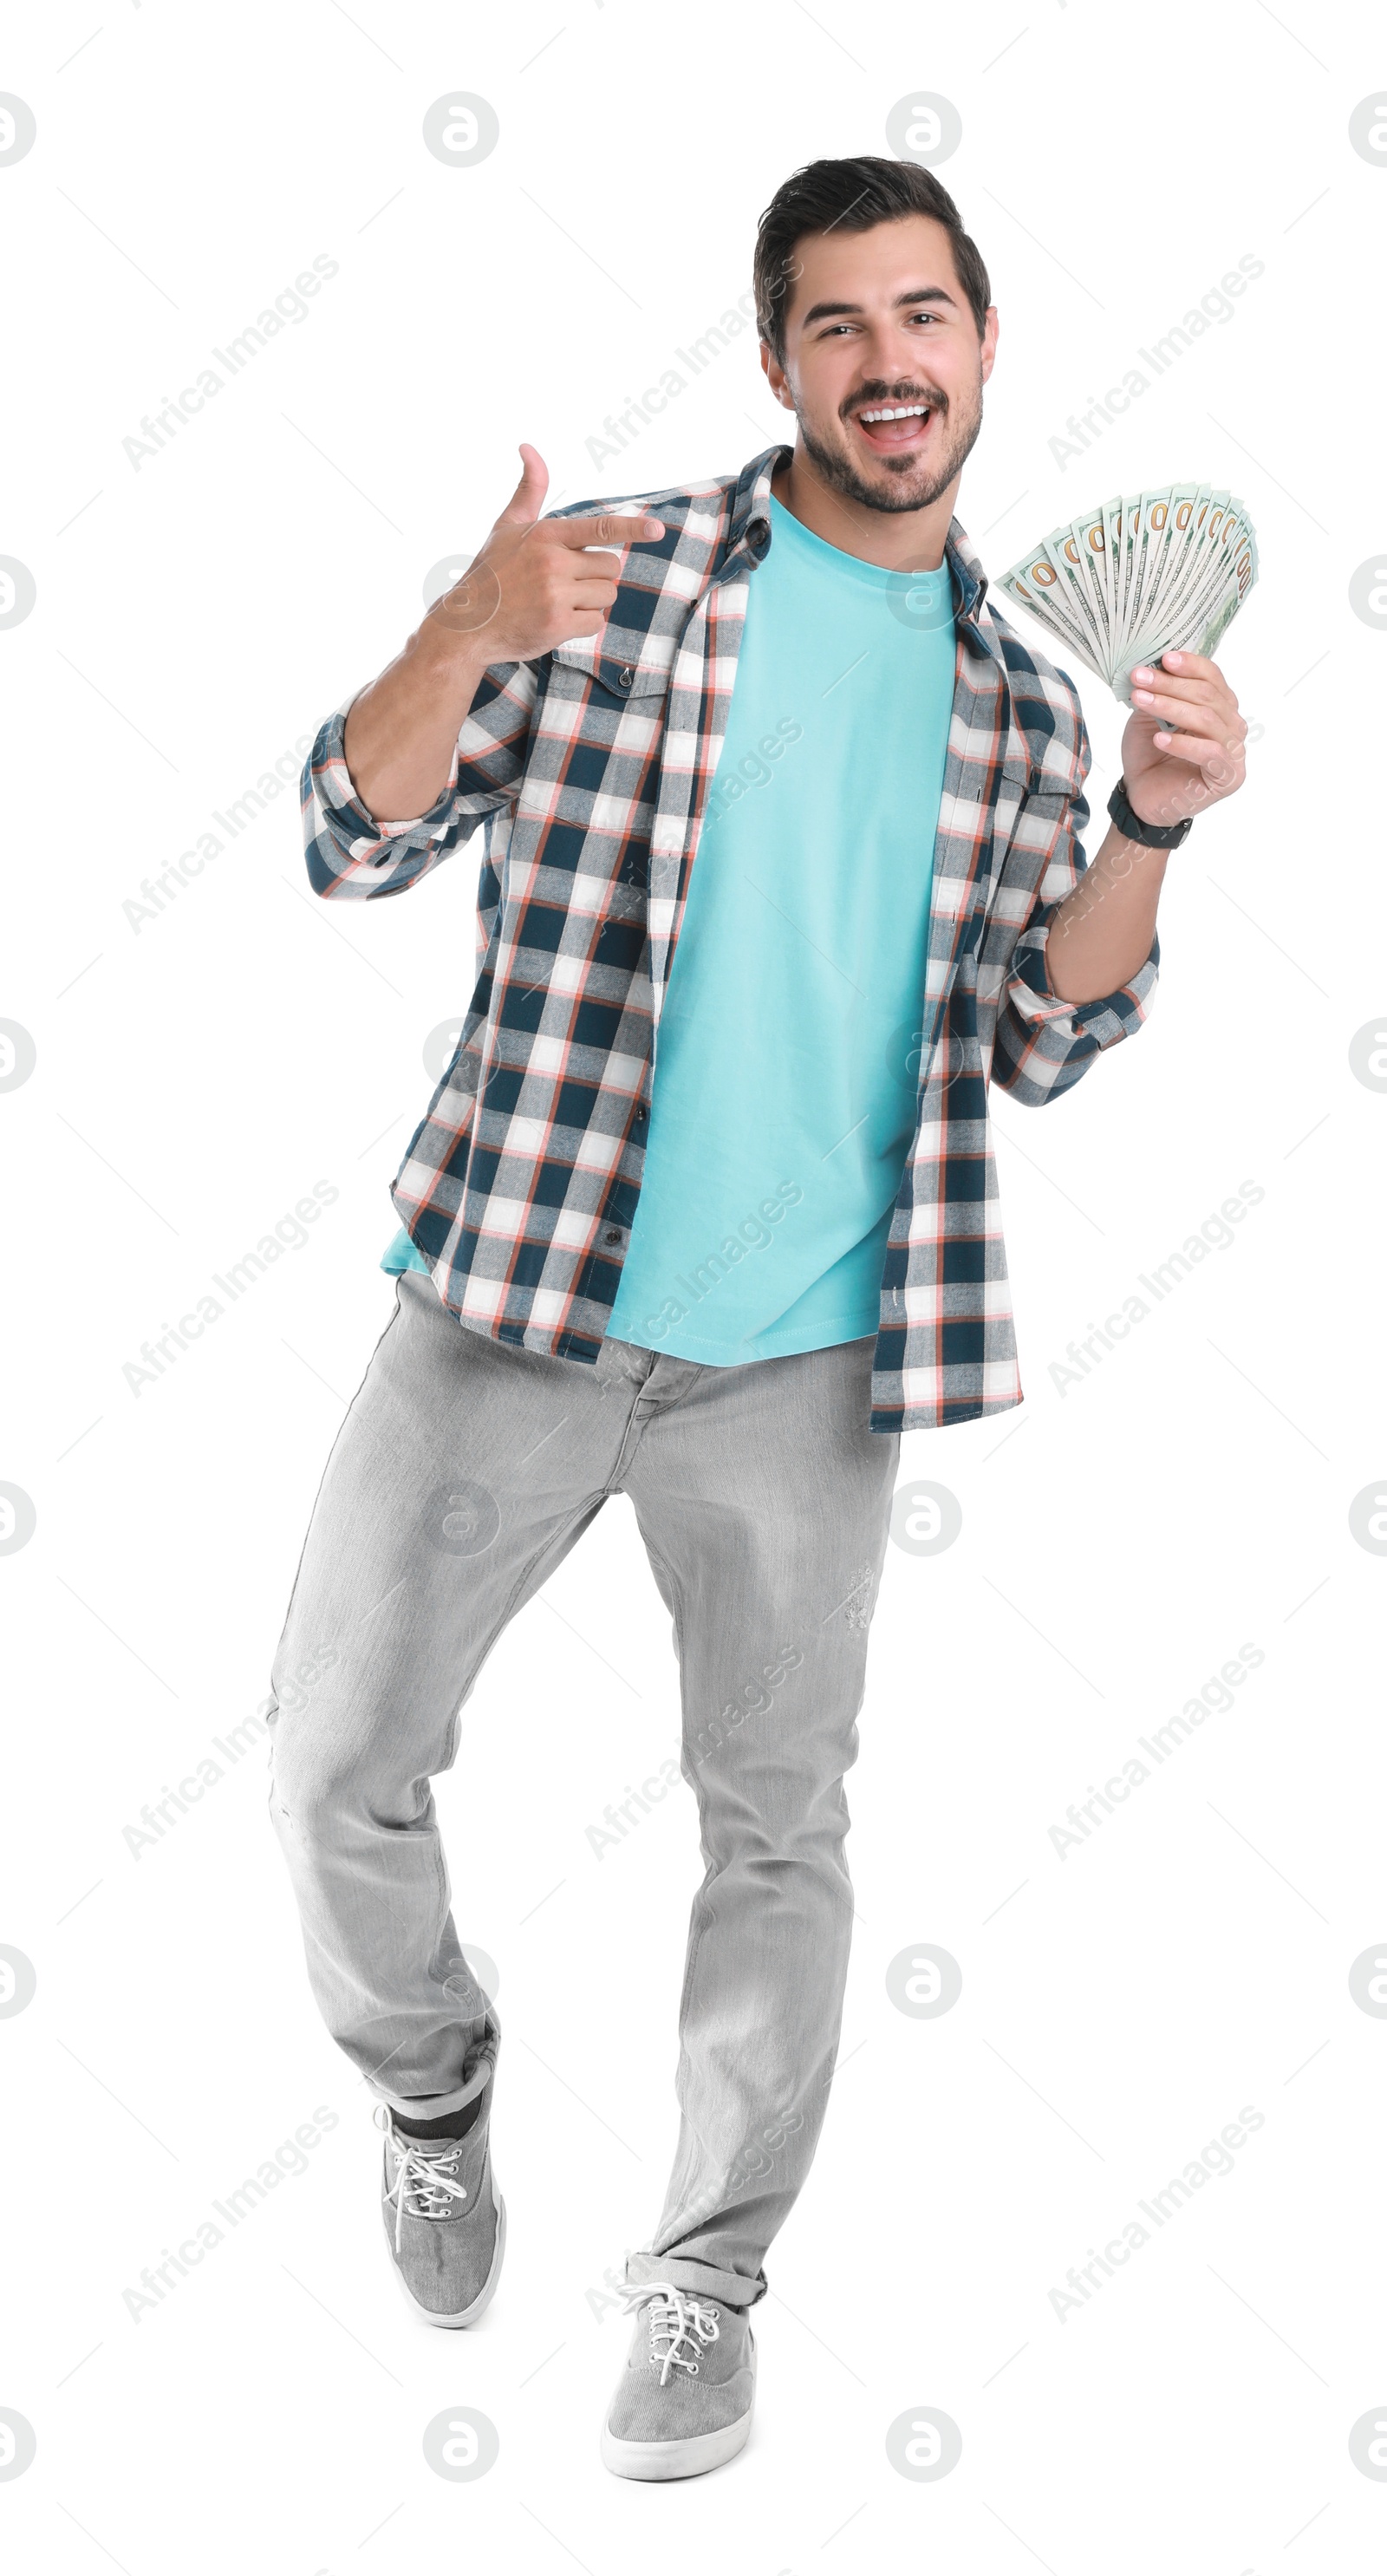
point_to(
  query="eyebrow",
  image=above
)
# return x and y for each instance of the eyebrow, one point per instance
(918, 295)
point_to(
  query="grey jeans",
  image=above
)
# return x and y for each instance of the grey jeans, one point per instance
(464, 1472)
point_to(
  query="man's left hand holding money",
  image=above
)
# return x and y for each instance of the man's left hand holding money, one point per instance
(1183, 750)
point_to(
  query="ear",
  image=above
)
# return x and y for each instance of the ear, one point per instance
(775, 376)
(989, 342)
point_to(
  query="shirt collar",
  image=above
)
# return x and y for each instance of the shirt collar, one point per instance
(749, 526)
(749, 535)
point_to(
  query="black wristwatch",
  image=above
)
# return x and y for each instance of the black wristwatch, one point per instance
(1154, 836)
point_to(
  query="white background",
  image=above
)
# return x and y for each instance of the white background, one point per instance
(1120, 1540)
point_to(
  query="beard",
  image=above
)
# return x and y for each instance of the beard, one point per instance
(907, 483)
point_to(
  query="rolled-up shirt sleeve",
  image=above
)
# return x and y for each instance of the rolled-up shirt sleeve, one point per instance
(349, 851)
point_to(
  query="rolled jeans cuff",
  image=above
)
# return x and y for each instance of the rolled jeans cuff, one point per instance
(435, 2106)
(704, 2279)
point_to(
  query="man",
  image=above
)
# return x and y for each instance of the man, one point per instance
(781, 865)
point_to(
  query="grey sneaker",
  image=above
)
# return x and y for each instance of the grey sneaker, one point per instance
(685, 2397)
(444, 2221)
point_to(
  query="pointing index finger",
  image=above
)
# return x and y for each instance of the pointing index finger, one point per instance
(606, 530)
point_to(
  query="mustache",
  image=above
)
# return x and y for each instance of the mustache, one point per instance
(867, 398)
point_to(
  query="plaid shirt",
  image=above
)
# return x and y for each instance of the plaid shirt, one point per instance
(589, 770)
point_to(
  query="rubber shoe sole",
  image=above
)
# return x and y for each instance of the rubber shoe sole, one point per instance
(687, 2459)
(484, 2297)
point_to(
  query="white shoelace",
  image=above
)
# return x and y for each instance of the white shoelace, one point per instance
(425, 2183)
(676, 2317)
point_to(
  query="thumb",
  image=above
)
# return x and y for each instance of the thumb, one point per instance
(527, 500)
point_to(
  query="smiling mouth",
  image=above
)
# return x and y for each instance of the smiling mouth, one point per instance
(890, 427)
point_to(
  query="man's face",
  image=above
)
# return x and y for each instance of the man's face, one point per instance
(877, 322)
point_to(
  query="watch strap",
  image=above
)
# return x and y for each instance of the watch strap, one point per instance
(1153, 836)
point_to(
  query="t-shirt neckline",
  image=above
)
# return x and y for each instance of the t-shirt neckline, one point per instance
(785, 525)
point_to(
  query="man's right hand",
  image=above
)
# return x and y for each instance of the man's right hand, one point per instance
(533, 585)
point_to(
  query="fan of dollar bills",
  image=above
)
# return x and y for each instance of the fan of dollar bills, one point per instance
(1158, 572)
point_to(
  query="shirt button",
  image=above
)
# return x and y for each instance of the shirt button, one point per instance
(612, 1235)
(624, 679)
(641, 1111)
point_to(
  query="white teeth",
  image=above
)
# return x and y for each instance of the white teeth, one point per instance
(908, 411)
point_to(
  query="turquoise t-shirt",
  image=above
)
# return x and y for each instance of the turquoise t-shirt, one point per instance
(783, 1104)
(401, 1254)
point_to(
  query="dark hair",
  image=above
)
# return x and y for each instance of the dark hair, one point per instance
(852, 196)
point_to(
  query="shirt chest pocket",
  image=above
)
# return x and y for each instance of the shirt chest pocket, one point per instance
(1029, 814)
(1028, 825)
(603, 739)
(1028, 795)
(613, 684)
